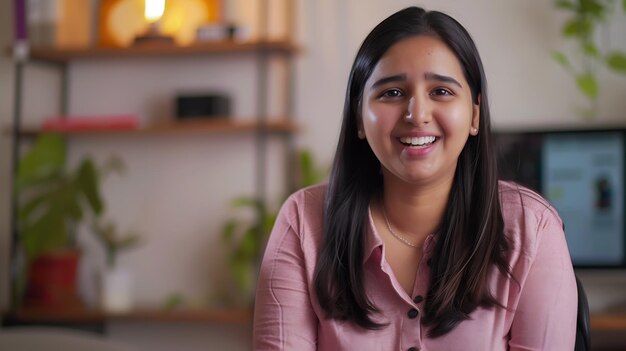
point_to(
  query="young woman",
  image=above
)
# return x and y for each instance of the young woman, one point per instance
(414, 244)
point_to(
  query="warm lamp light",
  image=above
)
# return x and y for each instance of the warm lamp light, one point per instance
(154, 10)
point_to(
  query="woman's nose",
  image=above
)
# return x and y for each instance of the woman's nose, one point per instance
(416, 112)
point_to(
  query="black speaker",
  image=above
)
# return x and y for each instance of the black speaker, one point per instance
(202, 106)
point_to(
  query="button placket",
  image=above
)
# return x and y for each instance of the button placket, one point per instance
(412, 341)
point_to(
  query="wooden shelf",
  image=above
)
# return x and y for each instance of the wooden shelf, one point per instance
(608, 321)
(84, 316)
(61, 55)
(208, 126)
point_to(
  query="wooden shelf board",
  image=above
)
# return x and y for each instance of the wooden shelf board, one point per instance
(208, 126)
(608, 321)
(69, 54)
(222, 316)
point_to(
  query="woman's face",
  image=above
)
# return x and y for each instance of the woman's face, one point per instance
(418, 76)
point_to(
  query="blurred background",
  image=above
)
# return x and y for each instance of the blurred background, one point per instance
(181, 125)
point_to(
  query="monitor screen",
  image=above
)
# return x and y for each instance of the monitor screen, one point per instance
(582, 174)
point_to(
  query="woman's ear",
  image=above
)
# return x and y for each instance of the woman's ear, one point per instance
(475, 118)
(360, 129)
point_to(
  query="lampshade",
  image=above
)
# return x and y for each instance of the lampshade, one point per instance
(121, 20)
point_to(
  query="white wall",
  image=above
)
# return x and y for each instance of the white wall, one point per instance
(169, 193)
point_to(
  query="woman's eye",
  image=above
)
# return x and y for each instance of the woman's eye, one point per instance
(392, 93)
(441, 92)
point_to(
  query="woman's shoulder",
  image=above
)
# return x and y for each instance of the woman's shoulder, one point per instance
(515, 197)
(314, 193)
(304, 208)
(527, 216)
(306, 200)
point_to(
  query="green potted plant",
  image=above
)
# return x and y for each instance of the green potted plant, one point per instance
(117, 282)
(586, 18)
(245, 238)
(53, 200)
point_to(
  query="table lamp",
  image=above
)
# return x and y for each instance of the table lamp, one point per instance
(153, 12)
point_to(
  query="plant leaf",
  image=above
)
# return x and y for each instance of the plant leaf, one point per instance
(565, 4)
(45, 159)
(587, 84)
(48, 232)
(248, 246)
(228, 231)
(624, 5)
(33, 206)
(67, 201)
(580, 28)
(590, 49)
(268, 224)
(617, 61)
(245, 201)
(127, 242)
(561, 59)
(172, 301)
(113, 164)
(594, 8)
(87, 182)
(242, 274)
(307, 171)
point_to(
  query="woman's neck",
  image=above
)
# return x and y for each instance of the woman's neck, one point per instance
(415, 211)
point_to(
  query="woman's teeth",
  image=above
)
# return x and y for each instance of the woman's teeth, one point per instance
(418, 141)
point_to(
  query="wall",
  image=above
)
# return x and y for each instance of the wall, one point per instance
(160, 197)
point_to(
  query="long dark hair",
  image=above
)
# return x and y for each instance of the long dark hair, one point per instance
(471, 237)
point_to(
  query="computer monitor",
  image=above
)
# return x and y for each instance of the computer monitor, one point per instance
(582, 174)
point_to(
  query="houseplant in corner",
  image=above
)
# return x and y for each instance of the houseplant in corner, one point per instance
(53, 201)
(591, 51)
(245, 239)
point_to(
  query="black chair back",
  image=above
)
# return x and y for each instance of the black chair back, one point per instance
(583, 337)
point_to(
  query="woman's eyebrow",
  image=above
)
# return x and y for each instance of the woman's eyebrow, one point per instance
(441, 78)
(385, 80)
(428, 76)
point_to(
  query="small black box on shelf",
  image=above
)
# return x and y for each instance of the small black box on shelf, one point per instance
(199, 105)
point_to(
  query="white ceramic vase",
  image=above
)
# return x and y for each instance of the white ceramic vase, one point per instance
(117, 290)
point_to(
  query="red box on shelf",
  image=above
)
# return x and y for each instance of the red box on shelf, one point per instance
(80, 123)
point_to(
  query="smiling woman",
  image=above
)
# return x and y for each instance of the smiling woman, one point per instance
(414, 244)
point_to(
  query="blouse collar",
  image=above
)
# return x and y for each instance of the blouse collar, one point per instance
(373, 240)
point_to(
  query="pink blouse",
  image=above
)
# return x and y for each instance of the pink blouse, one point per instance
(540, 314)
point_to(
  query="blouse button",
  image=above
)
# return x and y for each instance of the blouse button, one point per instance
(412, 313)
(418, 299)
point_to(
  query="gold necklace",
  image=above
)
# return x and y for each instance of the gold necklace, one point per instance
(396, 235)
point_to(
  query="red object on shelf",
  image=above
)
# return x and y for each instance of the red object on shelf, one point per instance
(75, 123)
(52, 280)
